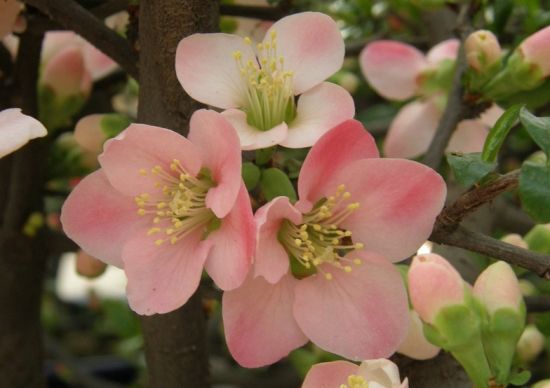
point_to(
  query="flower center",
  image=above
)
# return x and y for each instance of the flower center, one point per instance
(179, 207)
(355, 382)
(319, 239)
(269, 88)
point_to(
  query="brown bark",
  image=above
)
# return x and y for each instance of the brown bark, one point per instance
(175, 343)
(22, 258)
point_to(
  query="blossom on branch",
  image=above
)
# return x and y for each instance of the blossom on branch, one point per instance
(257, 90)
(16, 129)
(163, 207)
(356, 215)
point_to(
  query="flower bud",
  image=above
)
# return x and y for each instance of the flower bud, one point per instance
(88, 133)
(89, 266)
(542, 384)
(66, 75)
(497, 288)
(530, 344)
(8, 15)
(416, 345)
(538, 239)
(482, 50)
(516, 240)
(536, 50)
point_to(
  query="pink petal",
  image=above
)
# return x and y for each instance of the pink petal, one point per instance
(100, 219)
(311, 45)
(412, 130)
(468, 137)
(380, 373)
(16, 129)
(416, 345)
(319, 109)
(55, 41)
(98, 64)
(161, 278)
(447, 49)
(359, 315)
(143, 146)
(535, 50)
(229, 259)
(8, 14)
(345, 143)
(219, 146)
(491, 115)
(88, 133)
(329, 374)
(399, 200)
(258, 322)
(391, 68)
(251, 138)
(207, 70)
(271, 257)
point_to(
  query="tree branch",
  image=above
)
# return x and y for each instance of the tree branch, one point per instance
(447, 229)
(455, 109)
(264, 13)
(74, 17)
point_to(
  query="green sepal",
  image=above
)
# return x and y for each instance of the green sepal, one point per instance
(263, 155)
(469, 168)
(519, 377)
(498, 133)
(57, 112)
(251, 175)
(538, 239)
(275, 183)
(113, 123)
(534, 191)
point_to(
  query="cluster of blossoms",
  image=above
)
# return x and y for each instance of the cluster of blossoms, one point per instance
(319, 269)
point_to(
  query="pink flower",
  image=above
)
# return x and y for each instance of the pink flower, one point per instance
(257, 93)
(163, 207)
(433, 285)
(397, 71)
(352, 304)
(9, 9)
(16, 129)
(380, 373)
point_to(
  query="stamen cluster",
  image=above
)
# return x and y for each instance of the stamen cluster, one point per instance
(355, 382)
(269, 87)
(181, 208)
(319, 239)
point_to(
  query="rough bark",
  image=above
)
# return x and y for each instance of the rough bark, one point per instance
(175, 343)
(21, 257)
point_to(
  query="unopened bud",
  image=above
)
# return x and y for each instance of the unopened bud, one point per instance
(482, 50)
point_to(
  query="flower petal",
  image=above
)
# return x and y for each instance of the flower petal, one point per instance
(329, 374)
(391, 68)
(100, 219)
(448, 49)
(416, 345)
(412, 130)
(143, 146)
(359, 315)
(16, 129)
(161, 278)
(229, 259)
(206, 69)
(311, 45)
(258, 322)
(381, 371)
(343, 144)
(399, 200)
(319, 109)
(219, 146)
(468, 137)
(271, 257)
(252, 138)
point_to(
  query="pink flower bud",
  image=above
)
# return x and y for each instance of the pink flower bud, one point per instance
(89, 266)
(536, 50)
(66, 75)
(482, 50)
(416, 345)
(530, 344)
(516, 240)
(88, 133)
(434, 284)
(497, 287)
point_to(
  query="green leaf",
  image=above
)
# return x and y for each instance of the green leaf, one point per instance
(113, 123)
(499, 132)
(276, 183)
(469, 168)
(251, 175)
(538, 128)
(534, 191)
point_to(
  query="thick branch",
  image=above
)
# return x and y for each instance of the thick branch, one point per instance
(264, 13)
(454, 111)
(74, 17)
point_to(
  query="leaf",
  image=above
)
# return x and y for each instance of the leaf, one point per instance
(499, 132)
(276, 183)
(251, 175)
(469, 168)
(538, 128)
(534, 191)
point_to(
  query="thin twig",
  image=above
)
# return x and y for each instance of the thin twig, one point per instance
(537, 303)
(454, 111)
(73, 16)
